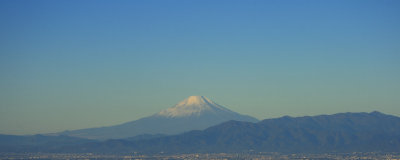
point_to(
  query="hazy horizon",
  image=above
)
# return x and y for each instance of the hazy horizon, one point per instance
(68, 65)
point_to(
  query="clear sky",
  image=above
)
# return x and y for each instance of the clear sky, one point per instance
(79, 64)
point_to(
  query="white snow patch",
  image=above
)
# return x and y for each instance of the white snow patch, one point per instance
(193, 105)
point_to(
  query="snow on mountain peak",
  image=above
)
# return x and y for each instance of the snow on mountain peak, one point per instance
(195, 100)
(193, 105)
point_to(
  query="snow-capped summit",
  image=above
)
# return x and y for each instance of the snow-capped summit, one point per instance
(193, 105)
(193, 100)
(193, 113)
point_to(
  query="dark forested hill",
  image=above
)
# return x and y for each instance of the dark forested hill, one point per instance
(37, 143)
(343, 132)
(326, 133)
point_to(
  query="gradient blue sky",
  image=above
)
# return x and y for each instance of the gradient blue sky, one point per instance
(79, 64)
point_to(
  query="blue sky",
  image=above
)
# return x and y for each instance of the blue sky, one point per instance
(79, 64)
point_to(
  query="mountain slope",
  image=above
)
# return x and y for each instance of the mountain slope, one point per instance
(193, 113)
(37, 143)
(344, 132)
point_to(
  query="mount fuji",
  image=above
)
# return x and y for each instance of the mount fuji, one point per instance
(193, 113)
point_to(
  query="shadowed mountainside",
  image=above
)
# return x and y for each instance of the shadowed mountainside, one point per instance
(342, 132)
(193, 113)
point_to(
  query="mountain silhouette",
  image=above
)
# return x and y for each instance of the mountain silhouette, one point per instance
(343, 132)
(193, 113)
(337, 133)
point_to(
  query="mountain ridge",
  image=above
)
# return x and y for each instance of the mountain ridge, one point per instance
(193, 113)
(343, 132)
(336, 133)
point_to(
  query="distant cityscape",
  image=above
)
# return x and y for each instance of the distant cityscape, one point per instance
(210, 156)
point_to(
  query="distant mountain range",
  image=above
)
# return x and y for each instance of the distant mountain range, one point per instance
(38, 143)
(342, 132)
(193, 113)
